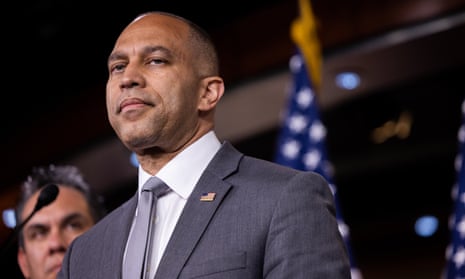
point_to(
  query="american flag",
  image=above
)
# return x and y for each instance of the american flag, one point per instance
(455, 252)
(210, 196)
(301, 143)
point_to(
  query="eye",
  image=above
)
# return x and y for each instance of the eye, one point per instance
(117, 68)
(75, 226)
(157, 61)
(36, 233)
(76, 223)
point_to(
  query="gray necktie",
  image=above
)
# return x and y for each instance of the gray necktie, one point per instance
(138, 246)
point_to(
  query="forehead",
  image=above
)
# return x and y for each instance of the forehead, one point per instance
(68, 200)
(155, 28)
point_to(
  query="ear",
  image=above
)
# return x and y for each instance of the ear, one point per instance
(23, 262)
(213, 89)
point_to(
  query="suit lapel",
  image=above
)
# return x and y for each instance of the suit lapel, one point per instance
(197, 213)
(115, 242)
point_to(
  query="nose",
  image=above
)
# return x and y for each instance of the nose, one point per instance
(58, 241)
(132, 77)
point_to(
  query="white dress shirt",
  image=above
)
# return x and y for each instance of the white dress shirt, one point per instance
(181, 175)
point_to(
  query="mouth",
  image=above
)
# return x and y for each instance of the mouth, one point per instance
(54, 268)
(130, 104)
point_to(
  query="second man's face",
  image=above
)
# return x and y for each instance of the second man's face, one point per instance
(50, 231)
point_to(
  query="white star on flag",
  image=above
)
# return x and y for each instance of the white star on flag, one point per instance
(461, 227)
(312, 158)
(459, 257)
(317, 131)
(305, 97)
(297, 123)
(291, 149)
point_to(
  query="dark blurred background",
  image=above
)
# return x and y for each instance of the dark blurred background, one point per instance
(410, 57)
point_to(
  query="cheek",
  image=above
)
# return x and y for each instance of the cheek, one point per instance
(109, 97)
(110, 105)
(35, 251)
(112, 93)
(181, 110)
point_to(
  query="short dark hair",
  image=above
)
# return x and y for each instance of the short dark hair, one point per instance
(64, 175)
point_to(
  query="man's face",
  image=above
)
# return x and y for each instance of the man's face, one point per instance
(49, 232)
(153, 89)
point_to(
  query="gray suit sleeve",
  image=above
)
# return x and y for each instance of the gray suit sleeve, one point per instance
(304, 240)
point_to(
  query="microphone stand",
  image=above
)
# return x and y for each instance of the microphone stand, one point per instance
(47, 195)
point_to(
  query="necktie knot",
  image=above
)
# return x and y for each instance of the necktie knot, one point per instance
(156, 186)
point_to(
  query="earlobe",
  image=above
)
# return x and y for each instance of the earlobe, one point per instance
(213, 91)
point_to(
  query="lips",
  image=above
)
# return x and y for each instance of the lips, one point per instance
(131, 103)
(54, 268)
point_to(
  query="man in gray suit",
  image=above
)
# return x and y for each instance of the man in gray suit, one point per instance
(227, 215)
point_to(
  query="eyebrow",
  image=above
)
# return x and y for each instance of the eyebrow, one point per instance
(73, 216)
(119, 55)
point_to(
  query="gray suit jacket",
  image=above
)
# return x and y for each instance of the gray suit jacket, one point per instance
(266, 221)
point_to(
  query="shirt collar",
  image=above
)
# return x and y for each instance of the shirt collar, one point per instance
(191, 163)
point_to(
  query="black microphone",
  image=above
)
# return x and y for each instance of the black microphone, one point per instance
(46, 196)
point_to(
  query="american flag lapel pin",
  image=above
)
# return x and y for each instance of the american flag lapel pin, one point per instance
(210, 196)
